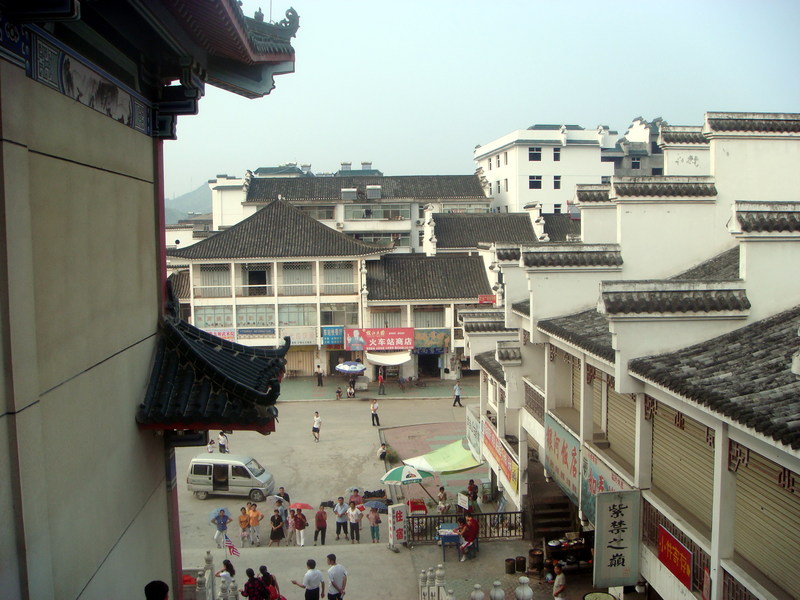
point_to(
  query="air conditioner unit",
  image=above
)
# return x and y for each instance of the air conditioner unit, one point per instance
(420, 221)
(339, 225)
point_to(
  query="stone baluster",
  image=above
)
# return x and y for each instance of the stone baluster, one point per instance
(233, 591)
(450, 595)
(523, 590)
(477, 593)
(223, 590)
(497, 593)
(431, 577)
(423, 585)
(200, 585)
(211, 583)
(439, 575)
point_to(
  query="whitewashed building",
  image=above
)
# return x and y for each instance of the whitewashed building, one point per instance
(660, 355)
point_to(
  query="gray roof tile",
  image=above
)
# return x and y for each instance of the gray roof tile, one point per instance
(507, 354)
(587, 329)
(745, 375)
(419, 277)
(466, 230)
(489, 364)
(279, 230)
(645, 187)
(768, 217)
(487, 327)
(573, 255)
(593, 192)
(559, 226)
(755, 122)
(523, 307)
(723, 267)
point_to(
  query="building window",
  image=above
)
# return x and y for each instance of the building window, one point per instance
(213, 317)
(636, 163)
(429, 317)
(505, 184)
(297, 315)
(490, 189)
(400, 240)
(534, 154)
(256, 280)
(392, 212)
(386, 318)
(338, 277)
(658, 171)
(490, 163)
(556, 154)
(338, 314)
(255, 315)
(498, 161)
(498, 186)
(319, 212)
(505, 158)
(605, 179)
(556, 182)
(298, 279)
(535, 182)
(556, 209)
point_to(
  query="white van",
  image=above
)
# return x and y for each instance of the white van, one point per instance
(229, 475)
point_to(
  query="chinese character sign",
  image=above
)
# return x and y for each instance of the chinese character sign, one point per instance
(562, 456)
(616, 541)
(398, 517)
(675, 556)
(509, 468)
(596, 477)
(397, 338)
(332, 335)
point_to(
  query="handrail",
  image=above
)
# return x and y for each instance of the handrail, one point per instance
(423, 529)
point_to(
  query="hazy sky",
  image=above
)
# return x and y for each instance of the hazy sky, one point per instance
(414, 86)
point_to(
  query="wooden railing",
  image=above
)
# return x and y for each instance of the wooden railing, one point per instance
(423, 529)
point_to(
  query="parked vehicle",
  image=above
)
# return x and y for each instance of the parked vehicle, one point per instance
(229, 475)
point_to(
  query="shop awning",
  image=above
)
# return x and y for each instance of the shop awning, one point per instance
(447, 459)
(388, 359)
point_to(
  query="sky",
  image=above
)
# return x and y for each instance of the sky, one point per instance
(413, 86)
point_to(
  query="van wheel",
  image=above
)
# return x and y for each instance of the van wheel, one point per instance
(257, 496)
(201, 495)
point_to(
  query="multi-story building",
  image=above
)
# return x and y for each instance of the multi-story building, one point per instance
(542, 165)
(90, 91)
(371, 207)
(678, 382)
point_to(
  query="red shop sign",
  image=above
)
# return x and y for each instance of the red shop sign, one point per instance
(675, 556)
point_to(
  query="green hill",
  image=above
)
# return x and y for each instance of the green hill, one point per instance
(196, 201)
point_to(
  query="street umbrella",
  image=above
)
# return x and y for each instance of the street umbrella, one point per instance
(302, 505)
(377, 504)
(351, 366)
(405, 475)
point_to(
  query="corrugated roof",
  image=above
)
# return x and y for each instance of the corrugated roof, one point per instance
(419, 277)
(279, 230)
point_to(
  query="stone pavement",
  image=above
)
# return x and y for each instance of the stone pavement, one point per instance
(345, 457)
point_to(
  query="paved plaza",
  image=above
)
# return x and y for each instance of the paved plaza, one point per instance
(345, 458)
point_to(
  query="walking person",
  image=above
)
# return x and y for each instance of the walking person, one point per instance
(300, 524)
(276, 534)
(221, 521)
(354, 519)
(457, 393)
(252, 587)
(282, 493)
(284, 515)
(312, 581)
(316, 426)
(337, 578)
(374, 518)
(256, 516)
(320, 525)
(373, 407)
(340, 510)
(222, 442)
(290, 541)
(244, 525)
(381, 384)
(319, 376)
(268, 580)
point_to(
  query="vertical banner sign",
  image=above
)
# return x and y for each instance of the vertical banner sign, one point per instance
(562, 455)
(474, 434)
(596, 478)
(675, 556)
(616, 541)
(398, 518)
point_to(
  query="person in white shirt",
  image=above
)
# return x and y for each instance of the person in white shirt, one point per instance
(316, 426)
(560, 583)
(354, 519)
(337, 578)
(340, 510)
(313, 583)
(222, 442)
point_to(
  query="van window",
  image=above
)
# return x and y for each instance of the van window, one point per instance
(201, 469)
(255, 468)
(239, 471)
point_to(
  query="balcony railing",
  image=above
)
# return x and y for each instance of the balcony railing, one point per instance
(733, 590)
(212, 291)
(247, 291)
(297, 289)
(423, 529)
(534, 402)
(341, 289)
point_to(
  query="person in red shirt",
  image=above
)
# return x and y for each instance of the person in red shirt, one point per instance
(468, 530)
(300, 524)
(320, 525)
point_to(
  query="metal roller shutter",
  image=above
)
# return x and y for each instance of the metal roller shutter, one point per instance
(300, 362)
(622, 425)
(576, 383)
(597, 404)
(683, 463)
(767, 520)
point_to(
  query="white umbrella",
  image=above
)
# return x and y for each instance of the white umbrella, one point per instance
(351, 366)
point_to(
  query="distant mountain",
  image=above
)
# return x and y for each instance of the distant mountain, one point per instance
(197, 201)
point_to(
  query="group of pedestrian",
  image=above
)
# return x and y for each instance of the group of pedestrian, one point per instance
(222, 444)
(263, 587)
(314, 582)
(250, 524)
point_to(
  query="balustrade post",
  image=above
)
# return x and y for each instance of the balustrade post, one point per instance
(223, 590)
(523, 590)
(477, 593)
(497, 593)
(439, 574)
(200, 585)
(233, 591)
(422, 580)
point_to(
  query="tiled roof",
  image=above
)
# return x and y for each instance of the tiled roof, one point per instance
(645, 187)
(489, 364)
(626, 297)
(279, 230)
(755, 122)
(768, 217)
(593, 192)
(509, 354)
(358, 173)
(523, 307)
(745, 375)
(587, 329)
(419, 277)
(283, 170)
(723, 267)
(682, 135)
(554, 127)
(573, 255)
(507, 254)
(487, 327)
(201, 382)
(465, 230)
(559, 226)
(180, 284)
(427, 187)
(487, 314)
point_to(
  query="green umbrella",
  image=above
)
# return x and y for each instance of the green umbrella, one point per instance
(405, 475)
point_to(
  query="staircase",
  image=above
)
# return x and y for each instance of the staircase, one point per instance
(552, 516)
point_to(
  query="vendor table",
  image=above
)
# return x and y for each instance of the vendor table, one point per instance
(447, 536)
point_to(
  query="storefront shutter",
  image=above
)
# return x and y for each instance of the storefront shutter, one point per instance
(622, 426)
(576, 383)
(300, 361)
(683, 463)
(768, 519)
(597, 403)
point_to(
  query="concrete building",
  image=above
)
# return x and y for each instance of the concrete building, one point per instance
(659, 356)
(89, 91)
